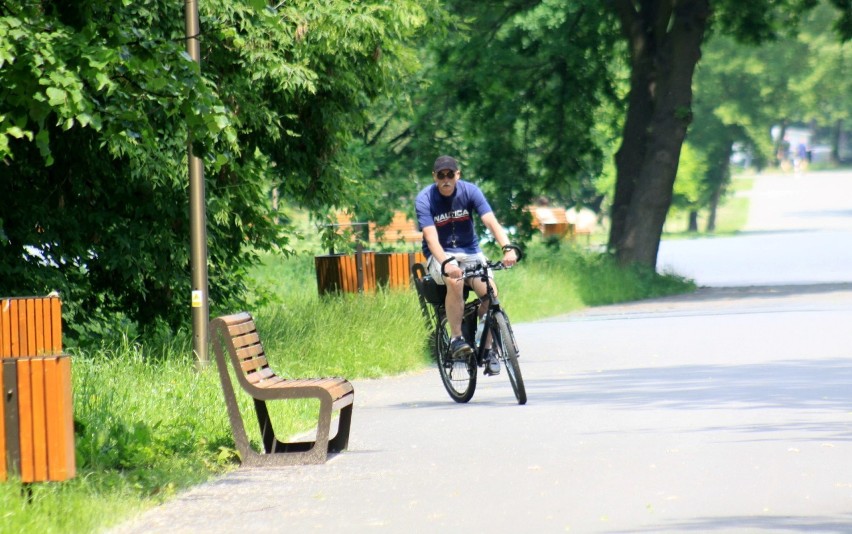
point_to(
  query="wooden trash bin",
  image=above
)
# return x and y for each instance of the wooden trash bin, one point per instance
(30, 326)
(36, 411)
(348, 273)
(393, 269)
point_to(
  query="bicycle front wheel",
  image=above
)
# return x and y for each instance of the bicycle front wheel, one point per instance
(458, 376)
(507, 351)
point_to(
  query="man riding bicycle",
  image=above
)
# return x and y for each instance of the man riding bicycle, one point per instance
(445, 215)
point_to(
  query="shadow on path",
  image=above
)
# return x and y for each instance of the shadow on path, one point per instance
(790, 384)
(709, 294)
(752, 523)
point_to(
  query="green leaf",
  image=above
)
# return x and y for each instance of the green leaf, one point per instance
(84, 119)
(56, 96)
(259, 5)
(18, 133)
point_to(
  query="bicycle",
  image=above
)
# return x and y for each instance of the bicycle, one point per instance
(459, 376)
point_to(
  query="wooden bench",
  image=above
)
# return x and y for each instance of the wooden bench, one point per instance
(400, 229)
(583, 220)
(237, 333)
(552, 222)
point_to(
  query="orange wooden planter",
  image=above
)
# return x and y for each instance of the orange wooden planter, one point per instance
(36, 418)
(393, 269)
(36, 411)
(347, 273)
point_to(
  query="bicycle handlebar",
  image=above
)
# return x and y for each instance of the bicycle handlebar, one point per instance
(470, 272)
(481, 268)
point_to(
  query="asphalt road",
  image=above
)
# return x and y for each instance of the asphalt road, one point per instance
(727, 410)
(799, 231)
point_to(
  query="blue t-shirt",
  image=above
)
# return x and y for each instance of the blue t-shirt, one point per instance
(452, 216)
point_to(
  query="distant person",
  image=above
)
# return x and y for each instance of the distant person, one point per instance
(800, 163)
(445, 215)
(783, 155)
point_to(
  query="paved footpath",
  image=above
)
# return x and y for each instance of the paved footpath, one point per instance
(728, 410)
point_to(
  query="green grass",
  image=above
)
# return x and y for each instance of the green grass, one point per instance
(143, 429)
(555, 281)
(148, 424)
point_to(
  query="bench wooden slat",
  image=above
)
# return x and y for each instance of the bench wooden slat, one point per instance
(260, 374)
(239, 327)
(246, 353)
(271, 382)
(245, 340)
(337, 387)
(253, 364)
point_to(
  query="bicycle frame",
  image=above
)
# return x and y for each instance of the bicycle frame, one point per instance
(481, 272)
(497, 334)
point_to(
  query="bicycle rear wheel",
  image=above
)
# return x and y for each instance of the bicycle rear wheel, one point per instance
(507, 351)
(458, 376)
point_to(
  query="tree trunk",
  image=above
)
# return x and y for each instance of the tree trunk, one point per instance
(275, 195)
(665, 45)
(780, 150)
(835, 141)
(693, 221)
(721, 179)
(628, 159)
(714, 205)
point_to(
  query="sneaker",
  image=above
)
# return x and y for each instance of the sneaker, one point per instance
(492, 364)
(459, 349)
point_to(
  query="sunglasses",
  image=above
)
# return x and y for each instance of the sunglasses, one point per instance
(443, 175)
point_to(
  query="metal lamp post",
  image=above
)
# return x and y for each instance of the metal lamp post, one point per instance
(197, 213)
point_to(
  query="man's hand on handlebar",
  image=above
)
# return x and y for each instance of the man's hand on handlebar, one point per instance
(511, 255)
(453, 271)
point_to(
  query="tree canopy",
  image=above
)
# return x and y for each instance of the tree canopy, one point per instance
(97, 100)
(341, 104)
(521, 92)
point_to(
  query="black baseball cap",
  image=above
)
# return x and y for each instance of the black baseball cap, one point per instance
(445, 163)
